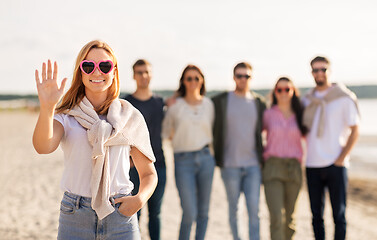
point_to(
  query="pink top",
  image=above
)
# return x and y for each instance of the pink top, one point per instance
(283, 135)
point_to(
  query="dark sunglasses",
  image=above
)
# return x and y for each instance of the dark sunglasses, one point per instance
(280, 90)
(239, 76)
(316, 70)
(189, 79)
(141, 72)
(88, 67)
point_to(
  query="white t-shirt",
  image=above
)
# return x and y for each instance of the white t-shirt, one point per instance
(78, 162)
(340, 115)
(191, 126)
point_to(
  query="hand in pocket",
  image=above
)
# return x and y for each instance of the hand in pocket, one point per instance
(129, 205)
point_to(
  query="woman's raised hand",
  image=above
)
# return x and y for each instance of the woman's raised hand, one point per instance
(49, 93)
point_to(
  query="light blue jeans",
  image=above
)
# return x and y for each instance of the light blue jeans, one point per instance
(248, 181)
(78, 221)
(193, 176)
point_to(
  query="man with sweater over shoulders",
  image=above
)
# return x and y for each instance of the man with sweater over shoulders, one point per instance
(151, 107)
(332, 116)
(238, 146)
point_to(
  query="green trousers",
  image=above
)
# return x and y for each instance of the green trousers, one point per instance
(282, 178)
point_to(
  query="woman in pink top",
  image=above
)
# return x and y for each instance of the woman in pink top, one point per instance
(283, 156)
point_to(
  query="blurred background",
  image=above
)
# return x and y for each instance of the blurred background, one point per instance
(276, 37)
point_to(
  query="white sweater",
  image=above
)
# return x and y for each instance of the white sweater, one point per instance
(189, 126)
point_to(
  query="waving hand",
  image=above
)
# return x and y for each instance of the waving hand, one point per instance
(49, 92)
(48, 132)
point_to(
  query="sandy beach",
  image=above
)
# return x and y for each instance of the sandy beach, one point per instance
(30, 193)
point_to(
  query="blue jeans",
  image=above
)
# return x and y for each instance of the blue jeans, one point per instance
(248, 181)
(154, 203)
(335, 179)
(193, 177)
(78, 221)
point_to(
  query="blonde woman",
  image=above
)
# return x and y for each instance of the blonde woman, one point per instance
(97, 133)
(188, 123)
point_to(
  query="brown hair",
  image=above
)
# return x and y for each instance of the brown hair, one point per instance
(319, 59)
(296, 105)
(140, 62)
(182, 89)
(77, 90)
(242, 65)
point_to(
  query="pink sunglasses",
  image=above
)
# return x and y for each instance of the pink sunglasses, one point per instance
(104, 66)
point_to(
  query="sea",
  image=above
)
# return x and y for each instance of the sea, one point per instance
(368, 112)
(363, 162)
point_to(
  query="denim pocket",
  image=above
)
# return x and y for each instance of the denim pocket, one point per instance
(121, 214)
(180, 156)
(67, 208)
(206, 151)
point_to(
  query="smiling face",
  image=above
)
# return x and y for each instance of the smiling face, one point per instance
(97, 82)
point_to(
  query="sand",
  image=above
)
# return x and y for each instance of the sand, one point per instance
(30, 194)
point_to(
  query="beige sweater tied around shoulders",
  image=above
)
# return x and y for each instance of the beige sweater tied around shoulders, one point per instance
(337, 91)
(124, 126)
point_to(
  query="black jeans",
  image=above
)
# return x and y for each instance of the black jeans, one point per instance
(335, 179)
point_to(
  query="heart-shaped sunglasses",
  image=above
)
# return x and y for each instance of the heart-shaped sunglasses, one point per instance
(88, 67)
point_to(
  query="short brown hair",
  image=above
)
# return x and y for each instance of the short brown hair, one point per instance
(140, 62)
(242, 65)
(319, 59)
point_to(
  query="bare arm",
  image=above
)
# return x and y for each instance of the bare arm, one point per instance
(349, 145)
(48, 132)
(148, 183)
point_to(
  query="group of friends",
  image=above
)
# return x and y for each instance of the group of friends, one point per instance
(111, 170)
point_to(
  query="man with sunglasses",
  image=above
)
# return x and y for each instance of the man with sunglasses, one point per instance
(151, 107)
(332, 116)
(238, 146)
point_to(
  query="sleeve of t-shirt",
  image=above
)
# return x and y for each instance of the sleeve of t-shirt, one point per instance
(163, 106)
(212, 111)
(305, 101)
(161, 100)
(168, 123)
(351, 113)
(59, 117)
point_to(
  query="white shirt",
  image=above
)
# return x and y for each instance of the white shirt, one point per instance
(189, 125)
(340, 115)
(78, 162)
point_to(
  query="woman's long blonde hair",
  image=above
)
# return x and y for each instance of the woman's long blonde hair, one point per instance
(77, 90)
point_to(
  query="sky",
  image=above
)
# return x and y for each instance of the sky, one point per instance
(276, 37)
